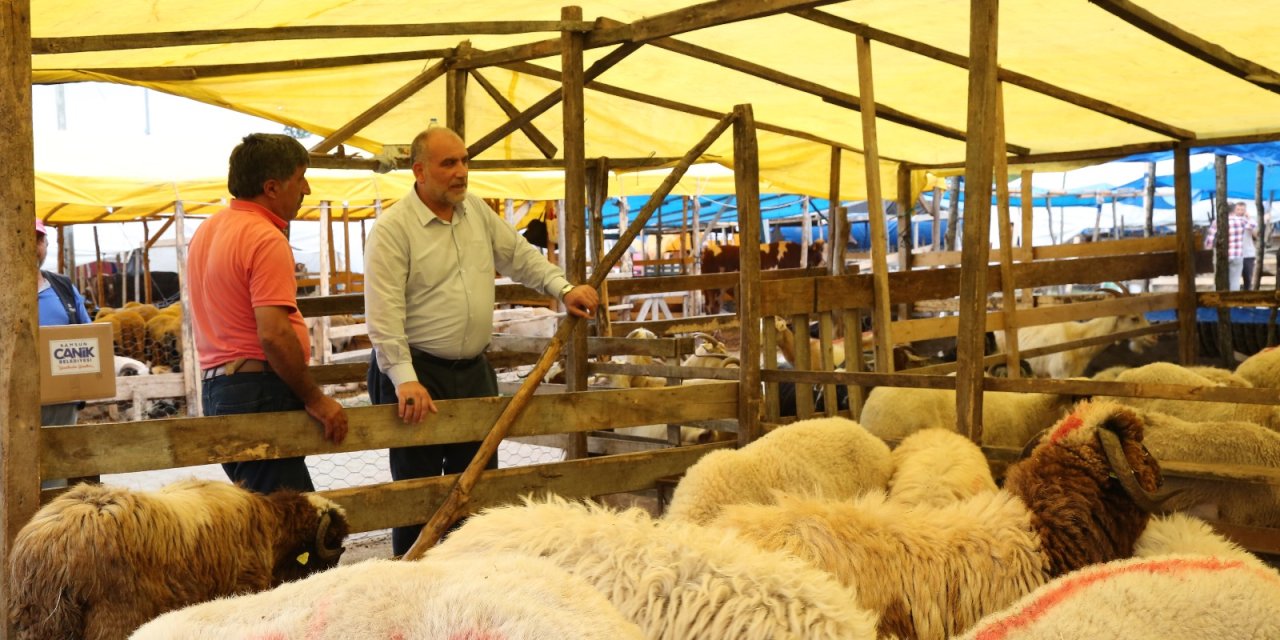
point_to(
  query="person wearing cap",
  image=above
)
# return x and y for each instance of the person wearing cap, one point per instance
(429, 293)
(58, 302)
(253, 345)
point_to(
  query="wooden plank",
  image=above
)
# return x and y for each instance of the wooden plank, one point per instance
(1008, 301)
(317, 306)
(338, 373)
(539, 140)
(116, 42)
(769, 360)
(659, 348)
(670, 371)
(164, 444)
(1188, 335)
(1238, 298)
(983, 34)
(573, 214)
(826, 337)
(746, 178)
(929, 328)
(1255, 539)
(597, 194)
(551, 99)
(190, 358)
(1004, 75)
(691, 324)
(906, 208)
(413, 86)
(410, 501)
(1128, 246)
(803, 360)
(883, 341)
(839, 244)
(191, 73)
(19, 373)
(1099, 154)
(455, 93)
(1189, 43)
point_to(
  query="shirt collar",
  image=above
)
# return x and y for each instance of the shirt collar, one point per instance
(426, 216)
(250, 206)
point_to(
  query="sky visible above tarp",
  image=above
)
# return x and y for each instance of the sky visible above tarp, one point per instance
(1071, 44)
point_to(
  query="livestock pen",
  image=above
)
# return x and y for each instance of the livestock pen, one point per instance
(779, 145)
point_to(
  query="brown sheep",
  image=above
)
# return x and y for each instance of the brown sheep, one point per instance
(98, 561)
(164, 339)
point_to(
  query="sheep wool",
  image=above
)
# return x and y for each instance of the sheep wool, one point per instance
(1262, 368)
(99, 561)
(1164, 598)
(936, 467)
(1169, 373)
(1179, 533)
(494, 596)
(1008, 419)
(677, 581)
(831, 457)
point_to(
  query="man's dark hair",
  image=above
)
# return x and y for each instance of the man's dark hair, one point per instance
(261, 157)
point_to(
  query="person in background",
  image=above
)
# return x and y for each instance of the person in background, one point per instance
(1240, 228)
(58, 303)
(253, 345)
(429, 294)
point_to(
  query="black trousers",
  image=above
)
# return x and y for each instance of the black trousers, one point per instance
(257, 393)
(444, 380)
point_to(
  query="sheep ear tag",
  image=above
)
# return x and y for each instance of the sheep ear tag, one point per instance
(303, 558)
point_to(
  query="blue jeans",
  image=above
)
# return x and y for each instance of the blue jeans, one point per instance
(261, 392)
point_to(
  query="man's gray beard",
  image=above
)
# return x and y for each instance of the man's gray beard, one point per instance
(448, 196)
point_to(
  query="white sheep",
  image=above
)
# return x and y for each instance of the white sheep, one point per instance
(98, 561)
(479, 596)
(935, 467)
(626, 381)
(831, 457)
(787, 346)
(1262, 368)
(1179, 533)
(1072, 364)
(932, 572)
(1162, 598)
(677, 581)
(1233, 443)
(1169, 373)
(712, 354)
(1008, 419)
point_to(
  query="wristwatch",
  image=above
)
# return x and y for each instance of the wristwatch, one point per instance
(564, 291)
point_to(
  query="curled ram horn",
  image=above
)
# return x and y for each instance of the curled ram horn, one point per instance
(1152, 502)
(323, 551)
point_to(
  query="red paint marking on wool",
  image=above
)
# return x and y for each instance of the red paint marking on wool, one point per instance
(1068, 424)
(477, 634)
(1073, 586)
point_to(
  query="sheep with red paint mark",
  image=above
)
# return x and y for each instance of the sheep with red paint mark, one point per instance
(1162, 598)
(1081, 497)
(496, 596)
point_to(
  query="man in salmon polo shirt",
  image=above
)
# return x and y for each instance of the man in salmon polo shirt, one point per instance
(253, 345)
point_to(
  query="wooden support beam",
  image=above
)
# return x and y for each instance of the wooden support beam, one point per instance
(1008, 302)
(190, 357)
(607, 89)
(340, 135)
(683, 20)
(979, 152)
(117, 42)
(1188, 337)
(906, 208)
(880, 318)
(202, 72)
(1221, 252)
(548, 101)
(455, 93)
(1189, 43)
(19, 373)
(539, 140)
(839, 98)
(746, 178)
(1004, 75)
(1028, 217)
(597, 194)
(573, 121)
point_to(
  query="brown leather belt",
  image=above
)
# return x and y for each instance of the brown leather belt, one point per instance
(239, 365)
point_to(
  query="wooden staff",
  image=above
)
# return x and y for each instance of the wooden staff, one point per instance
(460, 493)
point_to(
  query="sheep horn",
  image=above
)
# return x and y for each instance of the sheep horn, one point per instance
(1146, 500)
(1032, 444)
(324, 552)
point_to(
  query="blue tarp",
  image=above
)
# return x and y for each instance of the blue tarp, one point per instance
(1239, 315)
(1242, 179)
(1268, 153)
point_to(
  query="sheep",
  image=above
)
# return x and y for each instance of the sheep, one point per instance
(832, 457)
(1179, 533)
(712, 354)
(936, 467)
(624, 381)
(1262, 368)
(98, 561)
(499, 595)
(130, 367)
(164, 339)
(1174, 596)
(675, 580)
(147, 311)
(535, 322)
(1243, 443)
(1008, 419)
(1072, 364)
(1169, 373)
(1080, 497)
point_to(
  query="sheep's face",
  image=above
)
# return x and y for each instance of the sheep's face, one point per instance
(1137, 321)
(314, 531)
